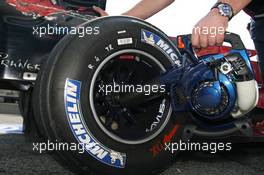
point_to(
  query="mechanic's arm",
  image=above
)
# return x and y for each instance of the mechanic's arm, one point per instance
(214, 20)
(144, 9)
(147, 8)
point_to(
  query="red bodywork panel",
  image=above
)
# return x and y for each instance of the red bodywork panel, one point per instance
(36, 7)
(220, 50)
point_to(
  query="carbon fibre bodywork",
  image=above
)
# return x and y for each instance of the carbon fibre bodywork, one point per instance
(22, 49)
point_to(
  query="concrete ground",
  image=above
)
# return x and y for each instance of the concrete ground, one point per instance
(17, 157)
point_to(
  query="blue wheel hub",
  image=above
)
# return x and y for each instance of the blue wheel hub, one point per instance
(208, 96)
(209, 99)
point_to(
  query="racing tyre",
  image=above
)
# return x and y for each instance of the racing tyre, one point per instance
(74, 108)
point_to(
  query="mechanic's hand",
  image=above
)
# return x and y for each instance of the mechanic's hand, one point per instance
(100, 11)
(210, 30)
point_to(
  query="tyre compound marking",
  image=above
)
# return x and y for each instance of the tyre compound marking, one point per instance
(109, 48)
(124, 41)
(154, 40)
(121, 32)
(90, 66)
(159, 146)
(72, 93)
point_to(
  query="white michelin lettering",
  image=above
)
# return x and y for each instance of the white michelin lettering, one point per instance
(169, 51)
(163, 45)
(173, 56)
(84, 138)
(73, 108)
(91, 145)
(157, 41)
(71, 99)
(71, 89)
(74, 118)
(78, 129)
(100, 153)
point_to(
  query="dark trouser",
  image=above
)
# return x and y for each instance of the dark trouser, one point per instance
(257, 33)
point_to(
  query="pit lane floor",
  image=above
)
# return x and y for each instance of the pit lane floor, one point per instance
(17, 157)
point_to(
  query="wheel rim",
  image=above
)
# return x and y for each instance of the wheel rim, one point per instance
(133, 125)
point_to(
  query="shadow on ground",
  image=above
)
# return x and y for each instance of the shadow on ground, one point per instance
(17, 157)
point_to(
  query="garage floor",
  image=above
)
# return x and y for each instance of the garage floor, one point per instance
(17, 157)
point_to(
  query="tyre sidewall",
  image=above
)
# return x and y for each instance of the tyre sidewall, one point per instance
(72, 63)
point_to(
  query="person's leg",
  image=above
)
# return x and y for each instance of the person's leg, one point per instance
(257, 33)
